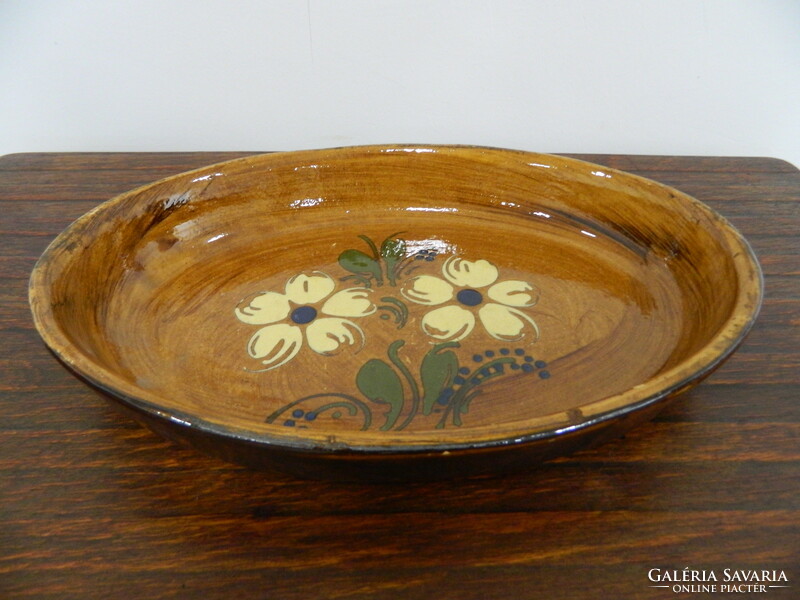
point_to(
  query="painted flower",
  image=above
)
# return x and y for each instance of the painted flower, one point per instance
(295, 315)
(469, 290)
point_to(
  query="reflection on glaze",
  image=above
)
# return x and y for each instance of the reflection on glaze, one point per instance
(207, 177)
(422, 248)
(431, 209)
(188, 230)
(410, 150)
(306, 202)
(177, 200)
(219, 236)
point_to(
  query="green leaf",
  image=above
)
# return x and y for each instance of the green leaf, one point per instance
(357, 262)
(393, 248)
(372, 246)
(393, 251)
(379, 383)
(437, 372)
(397, 308)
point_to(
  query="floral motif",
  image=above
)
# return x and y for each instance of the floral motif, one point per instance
(463, 293)
(294, 315)
(393, 391)
(444, 388)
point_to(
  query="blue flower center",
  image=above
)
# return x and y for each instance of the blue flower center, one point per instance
(469, 297)
(304, 314)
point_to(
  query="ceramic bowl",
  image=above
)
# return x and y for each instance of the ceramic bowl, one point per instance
(396, 312)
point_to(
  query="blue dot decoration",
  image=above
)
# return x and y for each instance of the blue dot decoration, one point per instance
(444, 397)
(514, 366)
(477, 358)
(429, 258)
(527, 367)
(540, 364)
(419, 257)
(489, 353)
(519, 351)
(304, 314)
(311, 416)
(544, 374)
(469, 297)
(297, 413)
(528, 359)
(289, 423)
(459, 380)
(505, 351)
(464, 370)
(475, 380)
(486, 371)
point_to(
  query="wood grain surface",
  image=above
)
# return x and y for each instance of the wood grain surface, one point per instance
(94, 506)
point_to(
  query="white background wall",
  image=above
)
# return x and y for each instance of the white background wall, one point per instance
(629, 76)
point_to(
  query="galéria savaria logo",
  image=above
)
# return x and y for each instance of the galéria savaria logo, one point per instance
(725, 581)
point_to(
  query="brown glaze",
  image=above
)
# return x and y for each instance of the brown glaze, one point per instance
(634, 292)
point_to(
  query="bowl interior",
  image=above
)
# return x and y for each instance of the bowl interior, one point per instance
(378, 296)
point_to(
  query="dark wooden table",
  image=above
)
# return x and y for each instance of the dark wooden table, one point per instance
(93, 506)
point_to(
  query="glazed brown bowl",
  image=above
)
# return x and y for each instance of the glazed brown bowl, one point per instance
(396, 312)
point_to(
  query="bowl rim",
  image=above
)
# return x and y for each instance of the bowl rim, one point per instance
(692, 369)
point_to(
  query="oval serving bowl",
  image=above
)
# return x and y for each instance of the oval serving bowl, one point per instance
(396, 312)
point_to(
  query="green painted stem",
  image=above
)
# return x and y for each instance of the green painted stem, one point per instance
(412, 384)
(401, 307)
(460, 396)
(375, 253)
(408, 261)
(362, 280)
(351, 408)
(355, 401)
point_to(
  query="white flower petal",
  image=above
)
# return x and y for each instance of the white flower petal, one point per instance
(327, 335)
(505, 323)
(308, 289)
(352, 302)
(263, 308)
(451, 323)
(513, 293)
(466, 273)
(275, 345)
(427, 290)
